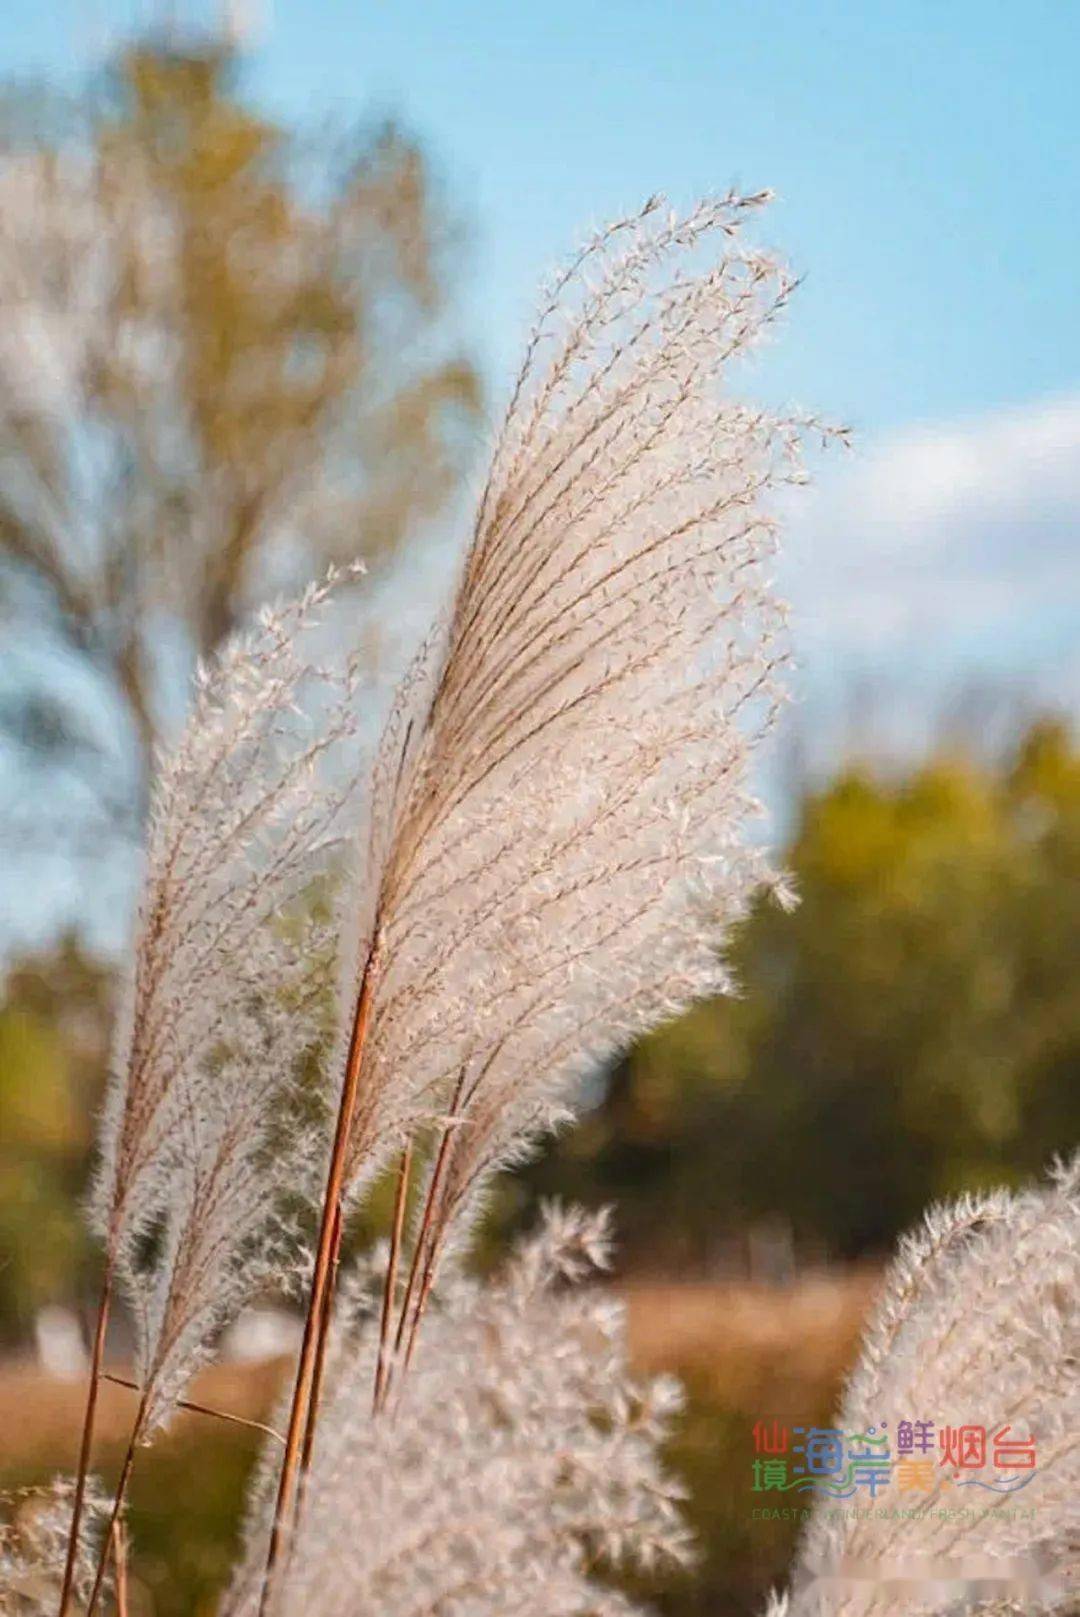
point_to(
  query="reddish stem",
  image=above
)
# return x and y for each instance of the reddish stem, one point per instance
(305, 1369)
(390, 1287)
(120, 1564)
(117, 1506)
(96, 1356)
(420, 1250)
(325, 1317)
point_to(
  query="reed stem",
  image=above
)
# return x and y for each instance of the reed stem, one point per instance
(202, 1409)
(390, 1288)
(117, 1506)
(426, 1285)
(120, 1564)
(305, 1369)
(86, 1442)
(423, 1240)
(325, 1319)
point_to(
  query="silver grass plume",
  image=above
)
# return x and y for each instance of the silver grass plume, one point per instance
(557, 834)
(33, 1541)
(238, 825)
(980, 1315)
(220, 1001)
(521, 1456)
(557, 826)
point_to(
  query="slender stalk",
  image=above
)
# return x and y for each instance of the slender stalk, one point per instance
(390, 1288)
(419, 1308)
(305, 1368)
(410, 1284)
(426, 1223)
(87, 1440)
(426, 1285)
(202, 1409)
(119, 1554)
(423, 1235)
(325, 1317)
(117, 1506)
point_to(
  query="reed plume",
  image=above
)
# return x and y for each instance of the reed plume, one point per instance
(521, 1461)
(34, 1525)
(555, 842)
(556, 837)
(216, 1007)
(979, 1320)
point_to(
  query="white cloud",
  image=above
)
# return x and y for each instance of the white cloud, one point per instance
(948, 557)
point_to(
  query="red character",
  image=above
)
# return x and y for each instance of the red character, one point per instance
(963, 1447)
(771, 1440)
(1013, 1453)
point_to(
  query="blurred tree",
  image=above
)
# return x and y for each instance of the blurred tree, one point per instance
(222, 366)
(225, 362)
(52, 1054)
(1044, 801)
(912, 1029)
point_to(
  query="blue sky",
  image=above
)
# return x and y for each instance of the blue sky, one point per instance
(927, 163)
(925, 156)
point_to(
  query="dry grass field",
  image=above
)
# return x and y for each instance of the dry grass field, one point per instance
(749, 1341)
(744, 1350)
(752, 1344)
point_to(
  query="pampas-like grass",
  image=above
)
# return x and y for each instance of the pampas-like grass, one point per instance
(557, 831)
(979, 1320)
(238, 823)
(555, 844)
(557, 838)
(214, 1014)
(521, 1460)
(34, 1525)
(556, 834)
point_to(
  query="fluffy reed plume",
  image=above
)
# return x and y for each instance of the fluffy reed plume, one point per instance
(557, 832)
(237, 827)
(216, 1006)
(33, 1543)
(521, 1458)
(979, 1321)
(556, 841)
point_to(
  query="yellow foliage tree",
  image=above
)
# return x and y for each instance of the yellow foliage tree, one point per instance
(223, 363)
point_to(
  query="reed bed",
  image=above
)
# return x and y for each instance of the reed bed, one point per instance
(539, 861)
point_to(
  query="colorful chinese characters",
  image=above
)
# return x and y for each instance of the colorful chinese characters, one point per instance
(927, 1458)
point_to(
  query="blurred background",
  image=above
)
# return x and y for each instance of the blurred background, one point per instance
(264, 275)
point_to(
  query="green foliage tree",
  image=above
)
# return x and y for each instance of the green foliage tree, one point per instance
(912, 1029)
(52, 1030)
